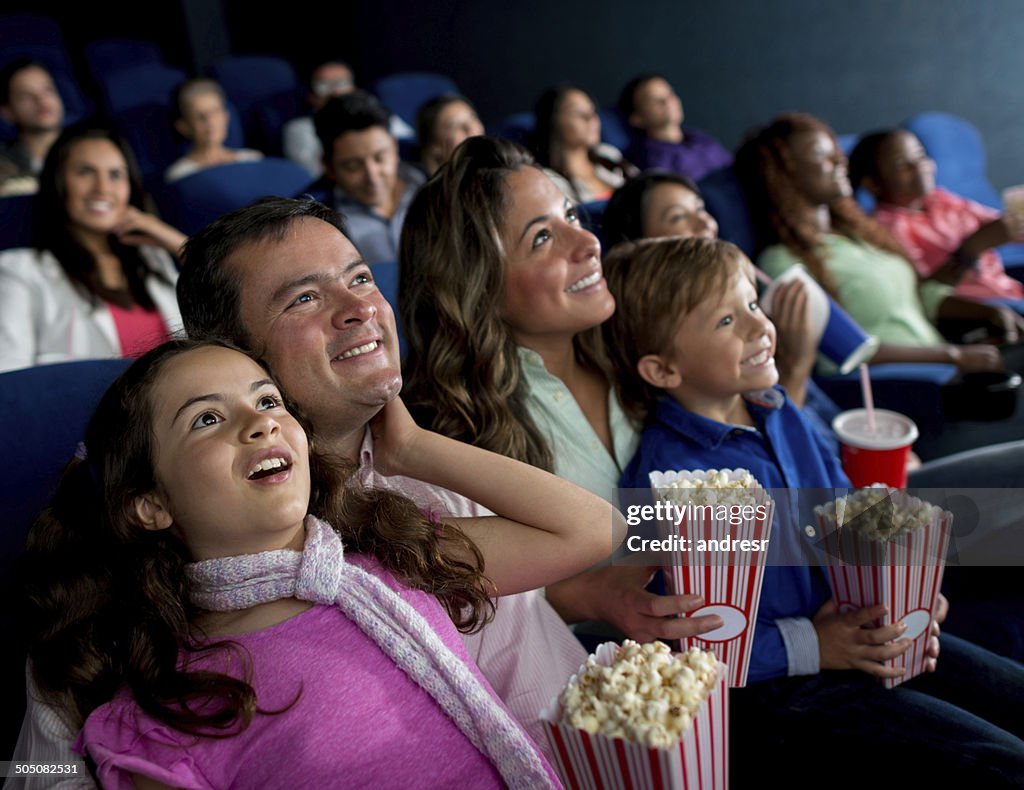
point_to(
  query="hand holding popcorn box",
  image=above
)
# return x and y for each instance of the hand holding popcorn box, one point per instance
(639, 716)
(725, 517)
(887, 547)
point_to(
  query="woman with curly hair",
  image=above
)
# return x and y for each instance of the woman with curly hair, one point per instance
(567, 141)
(796, 178)
(502, 298)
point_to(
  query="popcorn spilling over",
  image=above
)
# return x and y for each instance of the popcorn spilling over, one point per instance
(868, 512)
(710, 487)
(648, 695)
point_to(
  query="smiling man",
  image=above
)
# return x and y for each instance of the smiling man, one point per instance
(363, 177)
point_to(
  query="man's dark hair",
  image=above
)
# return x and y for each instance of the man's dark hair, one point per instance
(7, 74)
(352, 112)
(209, 291)
(627, 99)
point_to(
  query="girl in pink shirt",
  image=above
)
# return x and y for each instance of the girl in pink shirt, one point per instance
(210, 633)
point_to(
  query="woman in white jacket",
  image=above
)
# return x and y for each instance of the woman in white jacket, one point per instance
(99, 279)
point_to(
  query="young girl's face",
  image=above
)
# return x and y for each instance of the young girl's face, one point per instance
(905, 171)
(204, 119)
(723, 348)
(231, 464)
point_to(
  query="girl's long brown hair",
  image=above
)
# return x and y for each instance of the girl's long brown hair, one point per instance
(108, 601)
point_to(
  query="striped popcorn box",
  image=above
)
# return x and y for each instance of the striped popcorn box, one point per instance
(887, 547)
(724, 519)
(696, 758)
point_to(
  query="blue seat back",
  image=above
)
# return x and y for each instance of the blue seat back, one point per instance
(726, 202)
(16, 221)
(194, 201)
(139, 85)
(49, 407)
(405, 92)
(959, 153)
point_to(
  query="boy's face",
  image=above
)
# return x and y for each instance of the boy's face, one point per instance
(723, 348)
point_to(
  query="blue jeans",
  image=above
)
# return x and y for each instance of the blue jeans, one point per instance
(961, 725)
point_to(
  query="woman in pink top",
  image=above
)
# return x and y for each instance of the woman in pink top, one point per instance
(99, 278)
(211, 633)
(947, 237)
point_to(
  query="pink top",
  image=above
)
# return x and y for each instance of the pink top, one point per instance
(932, 233)
(359, 720)
(138, 329)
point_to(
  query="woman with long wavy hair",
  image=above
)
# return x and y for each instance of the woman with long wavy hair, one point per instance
(502, 298)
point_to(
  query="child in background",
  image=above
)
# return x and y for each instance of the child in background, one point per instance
(220, 636)
(202, 119)
(947, 237)
(694, 359)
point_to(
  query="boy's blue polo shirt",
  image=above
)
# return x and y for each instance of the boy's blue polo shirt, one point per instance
(782, 452)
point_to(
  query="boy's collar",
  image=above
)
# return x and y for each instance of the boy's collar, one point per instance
(710, 433)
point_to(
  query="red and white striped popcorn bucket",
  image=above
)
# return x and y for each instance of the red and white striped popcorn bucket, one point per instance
(598, 762)
(904, 573)
(729, 581)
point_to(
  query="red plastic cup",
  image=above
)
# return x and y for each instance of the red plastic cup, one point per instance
(878, 456)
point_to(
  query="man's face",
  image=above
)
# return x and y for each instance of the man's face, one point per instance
(656, 106)
(313, 312)
(365, 165)
(34, 104)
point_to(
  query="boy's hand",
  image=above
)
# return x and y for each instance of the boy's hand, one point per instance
(941, 610)
(846, 641)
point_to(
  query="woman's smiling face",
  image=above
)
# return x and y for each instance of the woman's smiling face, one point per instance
(553, 280)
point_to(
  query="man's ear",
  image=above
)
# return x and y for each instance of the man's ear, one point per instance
(151, 512)
(658, 372)
(6, 114)
(635, 120)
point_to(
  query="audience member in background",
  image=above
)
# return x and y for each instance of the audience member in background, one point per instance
(502, 298)
(201, 117)
(655, 114)
(100, 279)
(363, 177)
(30, 102)
(300, 144)
(947, 237)
(796, 177)
(567, 141)
(441, 124)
